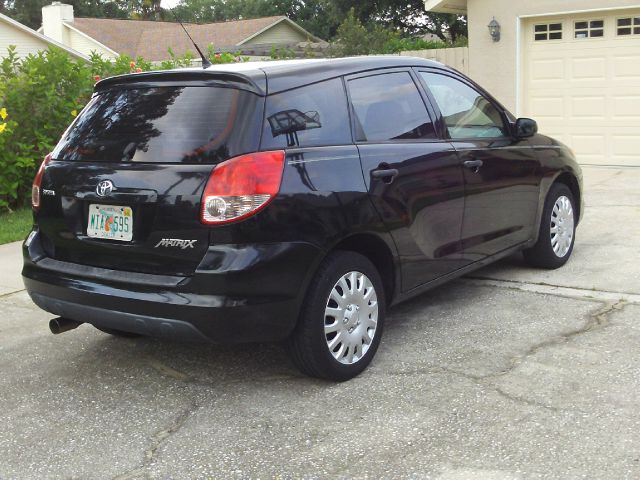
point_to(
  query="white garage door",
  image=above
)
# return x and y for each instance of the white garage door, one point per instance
(581, 82)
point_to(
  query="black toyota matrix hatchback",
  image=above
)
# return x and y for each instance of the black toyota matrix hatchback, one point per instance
(289, 201)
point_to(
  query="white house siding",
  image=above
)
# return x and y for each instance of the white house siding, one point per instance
(25, 44)
(84, 45)
(282, 33)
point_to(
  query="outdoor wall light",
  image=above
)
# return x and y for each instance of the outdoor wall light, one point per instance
(494, 30)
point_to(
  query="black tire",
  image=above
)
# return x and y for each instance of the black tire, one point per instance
(308, 346)
(118, 333)
(542, 255)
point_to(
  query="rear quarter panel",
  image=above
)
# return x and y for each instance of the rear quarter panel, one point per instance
(323, 199)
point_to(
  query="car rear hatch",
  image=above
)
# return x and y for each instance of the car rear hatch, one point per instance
(123, 189)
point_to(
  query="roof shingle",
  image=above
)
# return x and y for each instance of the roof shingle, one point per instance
(152, 40)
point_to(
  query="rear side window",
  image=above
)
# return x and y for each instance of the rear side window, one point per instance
(466, 112)
(314, 115)
(389, 107)
(164, 125)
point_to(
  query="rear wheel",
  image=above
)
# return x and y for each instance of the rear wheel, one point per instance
(341, 321)
(557, 230)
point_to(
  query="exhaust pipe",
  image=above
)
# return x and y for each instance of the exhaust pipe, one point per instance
(61, 325)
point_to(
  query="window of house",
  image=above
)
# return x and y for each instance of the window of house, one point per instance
(547, 31)
(589, 29)
(389, 107)
(628, 26)
(466, 112)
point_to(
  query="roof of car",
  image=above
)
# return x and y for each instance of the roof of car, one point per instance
(267, 77)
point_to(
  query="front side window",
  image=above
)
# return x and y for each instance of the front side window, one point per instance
(466, 112)
(310, 116)
(389, 107)
(628, 26)
(589, 28)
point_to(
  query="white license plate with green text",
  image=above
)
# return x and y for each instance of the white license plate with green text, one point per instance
(111, 222)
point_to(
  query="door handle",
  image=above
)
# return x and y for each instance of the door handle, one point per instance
(387, 174)
(473, 165)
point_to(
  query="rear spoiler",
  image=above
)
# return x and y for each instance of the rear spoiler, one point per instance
(184, 78)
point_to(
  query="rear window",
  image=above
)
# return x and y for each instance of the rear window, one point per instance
(164, 125)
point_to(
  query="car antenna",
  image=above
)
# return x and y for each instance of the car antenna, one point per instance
(206, 63)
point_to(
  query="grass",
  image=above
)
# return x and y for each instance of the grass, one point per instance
(15, 225)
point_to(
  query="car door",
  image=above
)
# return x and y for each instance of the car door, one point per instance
(501, 172)
(414, 178)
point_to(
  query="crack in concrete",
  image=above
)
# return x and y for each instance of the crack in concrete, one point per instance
(156, 441)
(596, 320)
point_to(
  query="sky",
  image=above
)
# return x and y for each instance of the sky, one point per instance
(168, 3)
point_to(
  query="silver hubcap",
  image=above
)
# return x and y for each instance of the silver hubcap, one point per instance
(562, 226)
(351, 317)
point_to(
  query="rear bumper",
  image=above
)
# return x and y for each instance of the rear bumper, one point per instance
(239, 293)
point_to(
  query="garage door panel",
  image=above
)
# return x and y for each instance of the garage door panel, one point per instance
(589, 68)
(626, 107)
(586, 92)
(548, 69)
(548, 107)
(627, 66)
(588, 107)
(625, 146)
(589, 147)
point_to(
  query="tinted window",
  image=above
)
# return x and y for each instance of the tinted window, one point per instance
(389, 107)
(467, 113)
(163, 125)
(309, 116)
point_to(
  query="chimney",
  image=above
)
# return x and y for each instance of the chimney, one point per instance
(53, 17)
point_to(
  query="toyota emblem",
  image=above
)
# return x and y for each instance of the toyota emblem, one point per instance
(104, 188)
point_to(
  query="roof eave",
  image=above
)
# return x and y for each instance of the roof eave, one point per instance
(42, 37)
(280, 20)
(90, 38)
(458, 7)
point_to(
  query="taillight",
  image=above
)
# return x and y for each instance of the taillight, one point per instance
(37, 182)
(241, 186)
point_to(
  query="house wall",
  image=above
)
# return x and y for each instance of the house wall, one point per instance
(282, 33)
(25, 43)
(86, 46)
(494, 65)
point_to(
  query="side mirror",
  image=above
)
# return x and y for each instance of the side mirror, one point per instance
(526, 127)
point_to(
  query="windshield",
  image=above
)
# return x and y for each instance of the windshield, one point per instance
(164, 125)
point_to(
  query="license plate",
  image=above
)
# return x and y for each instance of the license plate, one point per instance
(112, 222)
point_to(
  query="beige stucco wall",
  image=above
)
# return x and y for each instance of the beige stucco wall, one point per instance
(495, 64)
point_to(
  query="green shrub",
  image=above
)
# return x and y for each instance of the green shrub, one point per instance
(39, 97)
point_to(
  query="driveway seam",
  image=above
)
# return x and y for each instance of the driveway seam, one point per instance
(602, 296)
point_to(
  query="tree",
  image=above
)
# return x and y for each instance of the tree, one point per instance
(29, 12)
(408, 18)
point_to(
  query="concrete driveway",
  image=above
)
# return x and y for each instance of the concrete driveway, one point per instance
(514, 373)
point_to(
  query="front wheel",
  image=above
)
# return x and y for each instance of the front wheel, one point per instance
(557, 230)
(341, 321)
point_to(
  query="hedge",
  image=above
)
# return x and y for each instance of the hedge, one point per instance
(40, 96)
